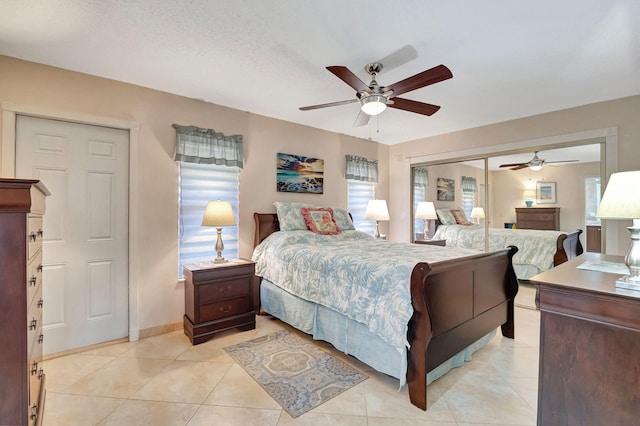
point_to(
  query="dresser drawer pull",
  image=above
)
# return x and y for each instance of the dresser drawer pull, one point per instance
(40, 232)
(41, 338)
(226, 289)
(39, 268)
(34, 412)
(33, 236)
(34, 324)
(40, 303)
(225, 310)
(40, 373)
(34, 368)
(33, 280)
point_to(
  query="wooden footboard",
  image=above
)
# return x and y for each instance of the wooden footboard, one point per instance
(455, 303)
(568, 246)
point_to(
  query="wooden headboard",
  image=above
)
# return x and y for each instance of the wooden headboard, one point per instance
(266, 224)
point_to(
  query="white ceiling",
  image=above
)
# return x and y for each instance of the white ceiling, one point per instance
(509, 58)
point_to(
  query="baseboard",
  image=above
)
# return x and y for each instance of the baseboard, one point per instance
(160, 329)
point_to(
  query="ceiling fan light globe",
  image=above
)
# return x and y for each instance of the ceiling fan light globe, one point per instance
(373, 104)
(536, 167)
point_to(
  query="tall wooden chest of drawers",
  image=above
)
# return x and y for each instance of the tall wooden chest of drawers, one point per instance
(22, 391)
(218, 297)
(546, 218)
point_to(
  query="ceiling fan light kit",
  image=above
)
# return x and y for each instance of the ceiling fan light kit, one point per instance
(535, 164)
(373, 104)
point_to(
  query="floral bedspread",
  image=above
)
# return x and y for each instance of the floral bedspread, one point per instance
(535, 248)
(353, 273)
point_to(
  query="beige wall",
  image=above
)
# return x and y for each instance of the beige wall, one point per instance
(159, 294)
(621, 114)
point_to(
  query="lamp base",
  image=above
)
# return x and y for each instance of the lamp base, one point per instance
(528, 203)
(220, 260)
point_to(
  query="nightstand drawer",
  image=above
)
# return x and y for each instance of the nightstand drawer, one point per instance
(226, 308)
(224, 290)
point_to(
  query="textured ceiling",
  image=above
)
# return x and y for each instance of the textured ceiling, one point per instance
(509, 58)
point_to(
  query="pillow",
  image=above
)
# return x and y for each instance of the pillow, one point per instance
(460, 217)
(343, 220)
(446, 217)
(290, 216)
(320, 220)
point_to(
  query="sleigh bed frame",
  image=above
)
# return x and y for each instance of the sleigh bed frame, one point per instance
(455, 302)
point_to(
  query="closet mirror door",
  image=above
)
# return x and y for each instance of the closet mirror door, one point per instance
(450, 194)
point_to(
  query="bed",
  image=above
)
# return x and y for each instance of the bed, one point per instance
(437, 311)
(538, 250)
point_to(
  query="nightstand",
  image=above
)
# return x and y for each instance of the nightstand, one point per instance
(432, 242)
(218, 297)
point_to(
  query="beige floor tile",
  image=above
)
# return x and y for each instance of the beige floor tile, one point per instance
(234, 416)
(527, 389)
(80, 410)
(183, 381)
(121, 378)
(65, 371)
(322, 419)
(115, 349)
(238, 389)
(380, 421)
(164, 346)
(132, 412)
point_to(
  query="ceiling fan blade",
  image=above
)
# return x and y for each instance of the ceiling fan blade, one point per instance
(414, 106)
(565, 161)
(520, 166)
(330, 104)
(425, 78)
(400, 57)
(514, 165)
(362, 119)
(348, 77)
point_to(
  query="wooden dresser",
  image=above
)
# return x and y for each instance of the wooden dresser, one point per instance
(546, 218)
(22, 391)
(218, 297)
(589, 346)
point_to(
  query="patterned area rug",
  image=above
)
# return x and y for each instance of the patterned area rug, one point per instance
(296, 373)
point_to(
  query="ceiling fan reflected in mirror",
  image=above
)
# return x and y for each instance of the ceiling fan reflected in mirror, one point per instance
(535, 164)
(374, 98)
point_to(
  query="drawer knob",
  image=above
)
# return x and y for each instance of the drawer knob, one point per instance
(40, 232)
(40, 373)
(33, 280)
(41, 338)
(34, 368)
(40, 303)
(39, 268)
(34, 412)
(226, 289)
(33, 324)
(225, 310)
(33, 236)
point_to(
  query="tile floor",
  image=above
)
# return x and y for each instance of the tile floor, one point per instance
(164, 380)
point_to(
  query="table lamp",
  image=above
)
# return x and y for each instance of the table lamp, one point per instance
(477, 213)
(528, 196)
(376, 210)
(426, 211)
(621, 200)
(219, 214)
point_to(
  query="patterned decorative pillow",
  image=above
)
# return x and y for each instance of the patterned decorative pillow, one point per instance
(343, 220)
(446, 217)
(290, 216)
(320, 220)
(460, 217)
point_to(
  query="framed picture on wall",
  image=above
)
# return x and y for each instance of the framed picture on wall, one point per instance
(546, 193)
(296, 173)
(446, 189)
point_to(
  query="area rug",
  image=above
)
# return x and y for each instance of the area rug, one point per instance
(296, 373)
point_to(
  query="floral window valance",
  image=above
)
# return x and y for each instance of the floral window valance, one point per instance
(359, 168)
(206, 146)
(420, 177)
(469, 184)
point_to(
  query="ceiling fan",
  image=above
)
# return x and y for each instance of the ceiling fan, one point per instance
(375, 98)
(534, 164)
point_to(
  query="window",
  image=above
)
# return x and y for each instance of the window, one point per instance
(468, 201)
(358, 195)
(418, 197)
(199, 184)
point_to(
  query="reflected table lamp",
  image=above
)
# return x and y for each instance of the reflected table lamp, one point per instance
(477, 213)
(426, 211)
(529, 195)
(219, 214)
(621, 200)
(376, 210)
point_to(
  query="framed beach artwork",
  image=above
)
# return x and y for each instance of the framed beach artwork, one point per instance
(446, 189)
(546, 192)
(296, 173)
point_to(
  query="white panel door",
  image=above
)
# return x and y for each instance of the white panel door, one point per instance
(85, 251)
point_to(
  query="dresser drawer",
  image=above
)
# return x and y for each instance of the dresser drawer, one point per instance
(34, 277)
(225, 308)
(224, 290)
(34, 236)
(540, 217)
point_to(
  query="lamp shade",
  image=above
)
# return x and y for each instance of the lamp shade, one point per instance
(477, 213)
(529, 193)
(376, 210)
(621, 199)
(218, 213)
(426, 210)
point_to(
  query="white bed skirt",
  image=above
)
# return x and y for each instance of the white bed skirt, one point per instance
(351, 337)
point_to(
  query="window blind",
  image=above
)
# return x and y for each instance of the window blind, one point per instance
(358, 195)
